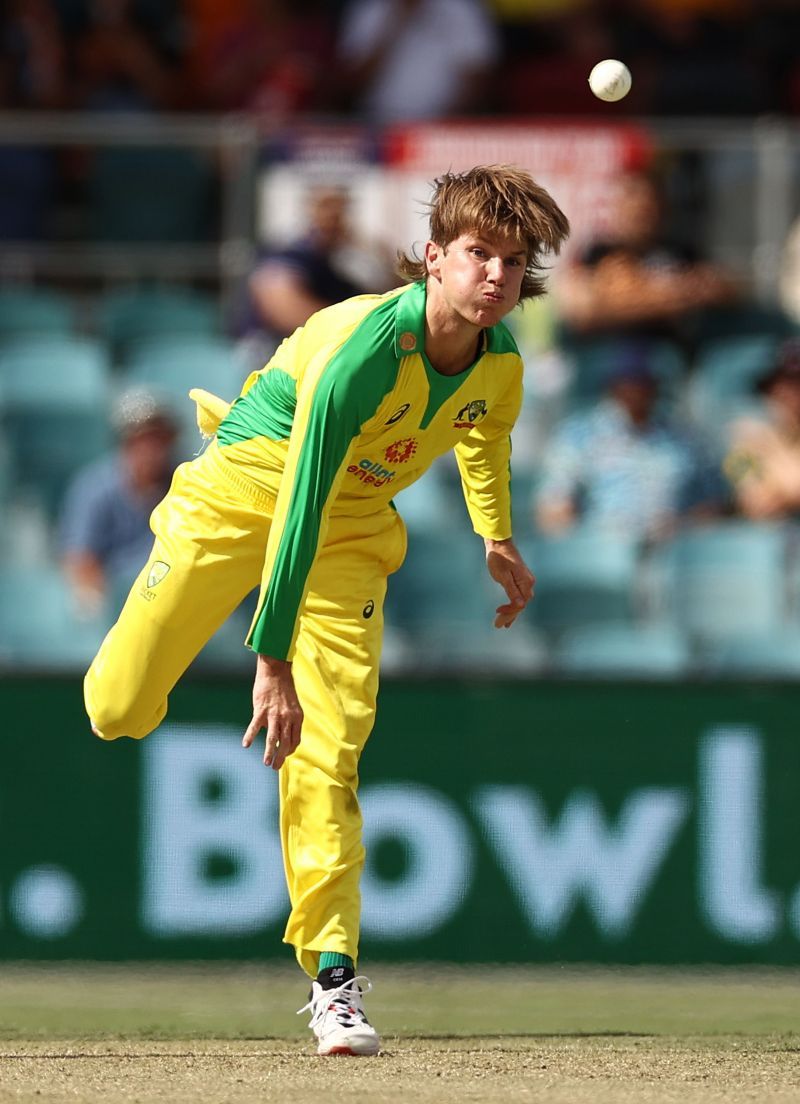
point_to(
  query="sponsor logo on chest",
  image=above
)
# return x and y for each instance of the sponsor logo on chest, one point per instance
(374, 473)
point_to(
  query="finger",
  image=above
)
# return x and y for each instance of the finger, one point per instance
(289, 742)
(272, 744)
(251, 732)
(513, 589)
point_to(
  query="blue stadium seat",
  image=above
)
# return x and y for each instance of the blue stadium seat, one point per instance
(582, 578)
(39, 626)
(726, 580)
(130, 315)
(624, 650)
(724, 376)
(771, 655)
(452, 647)
(54, 410)
(151, 195)
(175, 364)
(594, 360)
(441, 582)
(31, 312)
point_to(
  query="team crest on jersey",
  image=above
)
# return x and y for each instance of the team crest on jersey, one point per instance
(399, 452)
(399, 413)
(469, 414)
(158, 571)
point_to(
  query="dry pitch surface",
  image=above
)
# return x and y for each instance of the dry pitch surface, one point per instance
(185, 1034)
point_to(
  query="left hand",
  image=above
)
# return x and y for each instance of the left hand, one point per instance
(508, 568)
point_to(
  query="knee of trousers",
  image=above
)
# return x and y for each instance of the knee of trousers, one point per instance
(113, 715)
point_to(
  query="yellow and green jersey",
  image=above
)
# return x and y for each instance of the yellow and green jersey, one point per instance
(347, 413)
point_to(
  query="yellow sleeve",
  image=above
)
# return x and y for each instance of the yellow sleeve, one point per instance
(484, 462)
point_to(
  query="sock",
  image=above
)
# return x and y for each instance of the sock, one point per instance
(334, 970)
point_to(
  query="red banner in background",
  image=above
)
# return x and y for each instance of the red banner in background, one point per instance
(576, 162)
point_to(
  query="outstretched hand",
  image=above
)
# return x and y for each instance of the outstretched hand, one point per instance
(507, 567)
(275, 708)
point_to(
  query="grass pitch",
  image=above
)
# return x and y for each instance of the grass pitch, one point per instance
(181, 1034)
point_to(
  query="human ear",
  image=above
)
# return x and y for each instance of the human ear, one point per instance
(433, 258)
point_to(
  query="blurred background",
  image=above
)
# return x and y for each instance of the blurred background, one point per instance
(182, 182)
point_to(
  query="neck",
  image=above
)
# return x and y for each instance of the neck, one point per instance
(451, 343)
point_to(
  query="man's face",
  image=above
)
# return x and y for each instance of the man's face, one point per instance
(785, 392)
(148, 454)
(638, 397)
(480, 275)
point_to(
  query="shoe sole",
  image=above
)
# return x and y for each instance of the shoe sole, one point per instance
(347, 1052)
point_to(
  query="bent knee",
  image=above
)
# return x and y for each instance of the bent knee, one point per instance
(112, 720)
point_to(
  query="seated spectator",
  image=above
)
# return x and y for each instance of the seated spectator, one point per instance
(125, 61)
(624, 467)
(270, 57)
(407, 60)
(290, 283)
(105, 533)
(637, 281)
(763, 463)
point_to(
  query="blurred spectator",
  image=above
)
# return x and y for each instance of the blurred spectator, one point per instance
(763, 463)
(624, 467)
(327, 264)
(789, 273)
(32, 75)
(407, 60)
(547, 59)
(637, 281)
(268, 56)
(105, 533)
(127, 59)
(706, 57)
(33, 56)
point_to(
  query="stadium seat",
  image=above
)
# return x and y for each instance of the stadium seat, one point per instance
(743, 319)
(447, 647)
(130, 315)
(582, 578)
(38, 622)
(624, 650)
(175, 364)
(31, 312)
(151, 195)
(54, 410)
(441, 582)
(725, 580)
(770, 655)
(724, 377)
(594, 360)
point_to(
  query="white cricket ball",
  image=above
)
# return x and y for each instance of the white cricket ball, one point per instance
(610, 80)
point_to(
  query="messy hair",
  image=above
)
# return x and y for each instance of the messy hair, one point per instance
(494, 199)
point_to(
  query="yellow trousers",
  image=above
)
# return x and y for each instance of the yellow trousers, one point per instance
(210, 538)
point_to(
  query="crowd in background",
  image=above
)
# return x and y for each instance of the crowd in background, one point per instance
(623, 435)
(383, 60)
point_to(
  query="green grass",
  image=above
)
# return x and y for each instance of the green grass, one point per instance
(259, 1001)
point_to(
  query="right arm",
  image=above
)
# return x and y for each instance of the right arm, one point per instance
(339, 389)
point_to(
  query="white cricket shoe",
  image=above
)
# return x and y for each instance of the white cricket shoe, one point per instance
(338, 1019)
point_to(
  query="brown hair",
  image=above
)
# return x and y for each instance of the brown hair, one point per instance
(492, 199)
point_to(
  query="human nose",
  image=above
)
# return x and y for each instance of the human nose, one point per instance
(495, 272)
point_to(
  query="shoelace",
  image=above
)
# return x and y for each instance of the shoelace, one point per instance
(344, 993)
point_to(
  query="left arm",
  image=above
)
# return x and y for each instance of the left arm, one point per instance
(484, 458)
(484, 463)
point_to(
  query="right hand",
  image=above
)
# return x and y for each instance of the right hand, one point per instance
(277, 709)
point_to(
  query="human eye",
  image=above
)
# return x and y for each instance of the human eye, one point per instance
(477, 251)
